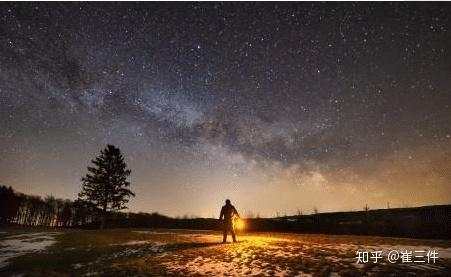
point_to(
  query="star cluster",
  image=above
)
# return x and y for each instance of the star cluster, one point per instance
(278, 106)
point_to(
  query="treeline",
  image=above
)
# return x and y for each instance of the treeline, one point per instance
(29, 210)
(431, 222)
(420, 222)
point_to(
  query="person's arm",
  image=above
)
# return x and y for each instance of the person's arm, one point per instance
(236, 212)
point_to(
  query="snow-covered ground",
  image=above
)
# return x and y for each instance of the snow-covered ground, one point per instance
(290, 255)
(17, 245)
(201, 253)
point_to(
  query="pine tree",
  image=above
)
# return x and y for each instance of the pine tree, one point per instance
(106, 184)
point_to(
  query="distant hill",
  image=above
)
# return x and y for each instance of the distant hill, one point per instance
(419, 222)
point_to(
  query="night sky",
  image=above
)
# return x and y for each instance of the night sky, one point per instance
(278, 107)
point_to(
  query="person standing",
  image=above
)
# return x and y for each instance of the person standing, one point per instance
(228, 211)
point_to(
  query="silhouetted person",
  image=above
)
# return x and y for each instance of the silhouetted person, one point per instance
(227, 213)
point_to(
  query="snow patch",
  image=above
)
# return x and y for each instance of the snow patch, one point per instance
(156, 246)
(156, 232)
(18, 245)
(77, 266)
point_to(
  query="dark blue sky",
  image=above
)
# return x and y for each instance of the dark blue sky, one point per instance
(277, 106)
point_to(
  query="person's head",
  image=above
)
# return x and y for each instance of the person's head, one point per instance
(227, 202)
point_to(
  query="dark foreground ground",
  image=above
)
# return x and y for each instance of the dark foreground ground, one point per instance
(142, 252)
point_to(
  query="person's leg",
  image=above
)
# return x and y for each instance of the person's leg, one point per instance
(233, 234)
(224, 233)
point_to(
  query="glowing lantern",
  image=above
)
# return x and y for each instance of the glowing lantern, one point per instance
(238, 224)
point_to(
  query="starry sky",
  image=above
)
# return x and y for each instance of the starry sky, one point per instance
(280, 107)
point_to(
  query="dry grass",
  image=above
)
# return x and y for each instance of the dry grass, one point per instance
(124, 252)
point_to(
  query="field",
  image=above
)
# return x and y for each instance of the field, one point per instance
(142, 252)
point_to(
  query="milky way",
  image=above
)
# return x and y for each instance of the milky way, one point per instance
(280, 107)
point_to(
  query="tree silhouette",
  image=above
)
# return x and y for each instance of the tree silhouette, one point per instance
(106, 184)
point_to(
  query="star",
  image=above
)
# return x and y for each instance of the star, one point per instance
(200, 93)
